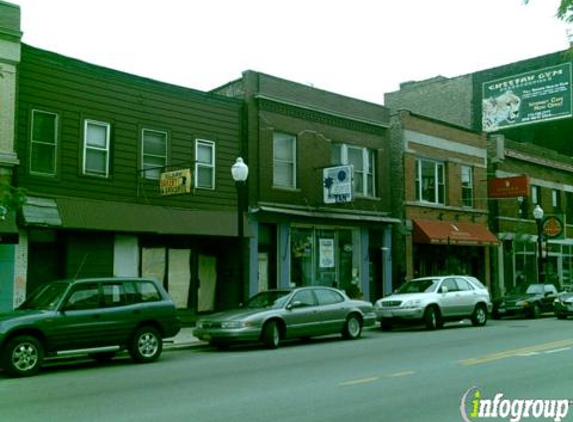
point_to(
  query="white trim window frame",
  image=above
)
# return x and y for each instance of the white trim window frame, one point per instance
(535, 195)
(556, 199)
(467, 181)
(43, 146)
(96, 148)
(430, 181)
(205, 164)
(153, 153)
(284, 160)
(363, 161)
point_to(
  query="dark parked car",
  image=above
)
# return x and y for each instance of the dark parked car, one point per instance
(276, 315)
(98, 316)
(526, 300)
(563, 305)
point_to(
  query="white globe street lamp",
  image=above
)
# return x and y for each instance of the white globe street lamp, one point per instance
(240, 172)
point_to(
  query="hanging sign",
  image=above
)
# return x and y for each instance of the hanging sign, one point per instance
(175, 182)
(337, 183)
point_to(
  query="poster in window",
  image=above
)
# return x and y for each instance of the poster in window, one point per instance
(326, 252)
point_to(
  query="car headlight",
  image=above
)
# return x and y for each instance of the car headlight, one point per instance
(556, 300)
(523, 303)
(234, 324)
(412, 303)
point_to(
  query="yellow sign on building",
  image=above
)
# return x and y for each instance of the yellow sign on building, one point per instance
(175, 182)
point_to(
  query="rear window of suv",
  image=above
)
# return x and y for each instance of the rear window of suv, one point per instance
(141, 291)
(476, 283)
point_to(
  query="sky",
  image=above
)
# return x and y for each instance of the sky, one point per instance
(357, 48)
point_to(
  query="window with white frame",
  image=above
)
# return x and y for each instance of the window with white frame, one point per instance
(467, 186)
(153, 153)
(284, 160)
(363, 161)
(204, 164)
(536, 195)
(43, 143)
(556, 199)
(430, 183)
(96, 148)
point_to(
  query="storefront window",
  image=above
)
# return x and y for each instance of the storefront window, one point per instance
(567, 268)
(301, 256)
(325, 257)
(525, 262)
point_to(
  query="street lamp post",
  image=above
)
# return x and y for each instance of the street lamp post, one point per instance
(240, 172)
(538, 215)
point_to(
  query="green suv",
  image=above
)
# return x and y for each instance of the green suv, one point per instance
(96, 316)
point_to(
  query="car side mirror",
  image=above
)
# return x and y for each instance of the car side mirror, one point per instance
(295, 304)
(444, 289)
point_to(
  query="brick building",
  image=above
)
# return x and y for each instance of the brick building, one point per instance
(440, 189)
(303, 141)
(526, 108)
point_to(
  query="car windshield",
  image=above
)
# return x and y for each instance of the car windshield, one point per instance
(271, 299)
(46, 297)
(419, 286)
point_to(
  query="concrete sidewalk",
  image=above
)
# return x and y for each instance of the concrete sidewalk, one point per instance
(184, 338)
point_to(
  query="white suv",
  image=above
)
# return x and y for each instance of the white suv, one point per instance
(435, 300)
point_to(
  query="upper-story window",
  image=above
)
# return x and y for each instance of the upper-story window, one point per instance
(204, 164)
(284, 160)
(556, 200)
(568, 206)
(153, 153)
(536, 195)
(363, 161)
(430, 182)
(96, 148)
(467, 186)
(43, 143)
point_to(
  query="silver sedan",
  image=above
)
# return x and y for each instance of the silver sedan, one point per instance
(276, 315)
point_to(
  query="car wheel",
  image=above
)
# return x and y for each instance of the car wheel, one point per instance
(352, 327)
(431, 318)
(23, 356)
(146, 345)
(535, 311)
(385, 325)
(561, 316)
(479, 317)
(271, 335)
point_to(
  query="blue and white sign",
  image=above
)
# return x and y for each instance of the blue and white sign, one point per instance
(337, 182)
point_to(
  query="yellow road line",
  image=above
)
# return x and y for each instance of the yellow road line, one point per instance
(373, 379)
(360, 381)
(515, 352)
(401, 374)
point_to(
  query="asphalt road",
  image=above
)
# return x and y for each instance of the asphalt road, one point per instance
(405, 375)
